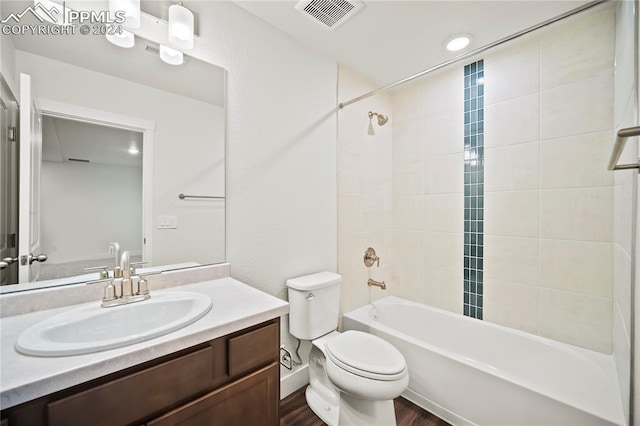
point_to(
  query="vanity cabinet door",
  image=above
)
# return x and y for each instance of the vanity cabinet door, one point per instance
(252, 400)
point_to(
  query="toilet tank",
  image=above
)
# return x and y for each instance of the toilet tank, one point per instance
(313, 304)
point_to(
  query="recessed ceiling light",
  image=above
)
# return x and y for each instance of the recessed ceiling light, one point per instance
(459, 42)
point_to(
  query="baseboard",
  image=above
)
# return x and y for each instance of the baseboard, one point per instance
(294, 380)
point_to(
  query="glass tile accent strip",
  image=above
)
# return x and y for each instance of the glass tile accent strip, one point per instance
(473, 188)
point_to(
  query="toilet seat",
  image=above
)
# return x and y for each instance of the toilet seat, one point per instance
(366, 355)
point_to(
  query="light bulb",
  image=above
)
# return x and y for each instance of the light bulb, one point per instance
(124, 39)
(131, 9)
(181, 26)
(458, 42)
(171, 56)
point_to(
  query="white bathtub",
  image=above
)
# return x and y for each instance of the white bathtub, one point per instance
(468, 371)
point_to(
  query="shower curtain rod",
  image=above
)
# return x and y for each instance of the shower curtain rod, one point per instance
(474, 52)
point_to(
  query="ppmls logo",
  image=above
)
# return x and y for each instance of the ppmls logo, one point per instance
(40, 12)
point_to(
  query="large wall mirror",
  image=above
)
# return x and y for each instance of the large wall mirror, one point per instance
(123, 135)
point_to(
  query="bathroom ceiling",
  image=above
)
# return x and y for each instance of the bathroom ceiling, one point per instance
(63, 139)
(390, 40)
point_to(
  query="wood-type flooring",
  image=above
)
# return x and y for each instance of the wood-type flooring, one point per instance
(294, 411)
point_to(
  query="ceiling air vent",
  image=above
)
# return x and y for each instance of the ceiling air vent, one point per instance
(329, 13)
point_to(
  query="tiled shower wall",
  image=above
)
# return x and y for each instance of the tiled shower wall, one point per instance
(548, 217)
(625, 115)
(364, 191)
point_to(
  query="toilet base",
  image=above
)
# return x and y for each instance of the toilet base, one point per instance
(327, 411)
(355, 411)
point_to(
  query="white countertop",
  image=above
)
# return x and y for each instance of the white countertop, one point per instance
(23, 378)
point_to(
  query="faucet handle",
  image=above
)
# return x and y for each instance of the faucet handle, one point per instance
(132, 269)
(370, 257)
(102, 269)
(109, 291)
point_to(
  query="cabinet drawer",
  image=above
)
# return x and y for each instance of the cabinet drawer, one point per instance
(135, 397)
(251, 400)
(254, 349)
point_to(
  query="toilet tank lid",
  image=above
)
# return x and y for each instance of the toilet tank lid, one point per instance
(314, 281)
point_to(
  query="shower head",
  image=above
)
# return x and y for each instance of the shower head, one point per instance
(382, 119)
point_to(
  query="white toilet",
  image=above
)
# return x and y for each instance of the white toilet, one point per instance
(354, 376)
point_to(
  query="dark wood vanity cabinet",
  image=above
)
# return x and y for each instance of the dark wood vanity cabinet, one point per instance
(231, 380)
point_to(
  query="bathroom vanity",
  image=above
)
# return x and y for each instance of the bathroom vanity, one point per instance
(222, 369)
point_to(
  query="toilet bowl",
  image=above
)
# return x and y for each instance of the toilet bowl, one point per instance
(353, 376)
(366, 366)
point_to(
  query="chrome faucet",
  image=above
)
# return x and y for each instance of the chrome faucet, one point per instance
(114, 248)
(127, 293)
(127, 283)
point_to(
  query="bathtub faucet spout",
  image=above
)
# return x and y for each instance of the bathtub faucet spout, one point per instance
(375, 283)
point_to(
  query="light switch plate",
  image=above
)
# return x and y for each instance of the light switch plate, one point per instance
(167, 222)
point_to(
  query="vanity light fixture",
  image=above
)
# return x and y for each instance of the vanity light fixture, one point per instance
(125, 39)
(131, 10)
(181, 26)
(459, 42)
(171, 56)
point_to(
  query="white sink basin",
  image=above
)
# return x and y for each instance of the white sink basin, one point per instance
(92, 328)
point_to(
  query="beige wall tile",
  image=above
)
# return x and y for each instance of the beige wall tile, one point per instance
(444, 93)
(582, 107)
(354, 292)
(350, 213)
(444, 213)
(443, 252)
(511, 305)
(623, 214)
(350, 176)
(513, 260)
(408, 141)
(514, 214)
(373, 213)
(512, 122)
(579, 50)
(577, 214)
(576, 161)
(444, 174)
(444, 135)
(576, 266)
(408, 104)
(622, 356)
(351, 248)
(512, 168)
(408, 178)
(512, 72)
(622, 279)
(406, 281)
(576, 319)
(408, 213)
(443, 290)
(408, 247)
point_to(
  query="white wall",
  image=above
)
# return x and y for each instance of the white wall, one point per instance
(78, 218)
(182, 162)
(281, 150)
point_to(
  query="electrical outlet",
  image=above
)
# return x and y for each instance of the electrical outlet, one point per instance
(285, 358)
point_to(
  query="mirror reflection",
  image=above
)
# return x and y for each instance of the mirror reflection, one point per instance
(122, 135)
